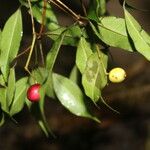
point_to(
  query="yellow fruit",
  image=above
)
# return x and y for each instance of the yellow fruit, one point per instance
(117, 75)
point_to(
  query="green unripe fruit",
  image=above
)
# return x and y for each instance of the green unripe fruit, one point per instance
(117, 75)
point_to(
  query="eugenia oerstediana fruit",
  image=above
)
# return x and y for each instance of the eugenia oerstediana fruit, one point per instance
(33, 93)
(117, 75)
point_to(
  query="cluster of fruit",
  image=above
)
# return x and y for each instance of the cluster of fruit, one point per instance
(116, 75)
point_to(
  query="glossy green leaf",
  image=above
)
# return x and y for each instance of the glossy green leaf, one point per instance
(82, 54)
(70, 96)
(50, 61)
(19, 97)
(113, 32)
(94, 78)
(71, 37)
(50, 18)
(3, 100)
(10, 42)
(11, 86)
(138, 35)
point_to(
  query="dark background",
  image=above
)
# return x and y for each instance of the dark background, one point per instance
(128, 131)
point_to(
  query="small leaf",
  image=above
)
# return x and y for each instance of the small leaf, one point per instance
(50, 18)
(0, 35)
(10, 42)
(70, 96)
(38, 75)
(52, 55)
(3, 100)
(94, 78)
(138, 35)
(43, 123)
(2, 118)
(72, 35)
(2, 81)
(74, 75)
(11, 86)
(82, 54)
(19, 97)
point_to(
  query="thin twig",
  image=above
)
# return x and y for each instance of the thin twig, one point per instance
(83, 7)
(43, 18)
(33, 39)
(82, 20)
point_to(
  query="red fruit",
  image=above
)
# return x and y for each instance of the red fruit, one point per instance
(33, 94)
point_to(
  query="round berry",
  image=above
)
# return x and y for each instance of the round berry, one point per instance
(33, 94)
(117, 75)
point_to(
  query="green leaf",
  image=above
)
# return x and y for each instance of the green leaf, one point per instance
(11, 86)
(82, 54)
(72, 35)
(112, 31)
(138, 35)
(37, 110)
(74, 75)
(130, 6)
(2, 81)
(42, 122)
(70, 96)
(38, 75)
(101, 7)
(52, 55)
(50, 18)
(10, 42)
(0, 35)
(50, 61)
(25, 2)
(3, 100)
(2, 118)
(94, 78)
(19, 97)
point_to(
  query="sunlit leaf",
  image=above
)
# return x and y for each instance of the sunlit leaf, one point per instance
(138, 35)
(70, 96)
(10, 42)
(94, 78)
(19, 97)
(82, 54)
